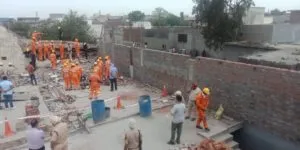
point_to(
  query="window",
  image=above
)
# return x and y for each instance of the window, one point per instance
(182, 38)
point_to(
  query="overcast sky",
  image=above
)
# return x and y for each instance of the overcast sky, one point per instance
(26, 8)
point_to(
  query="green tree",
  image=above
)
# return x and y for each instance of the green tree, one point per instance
(136, 16)
(220, 20)
(22, 29)
(161, 17)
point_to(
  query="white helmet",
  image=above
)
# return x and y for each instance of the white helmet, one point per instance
(10, 64)
(178, 93)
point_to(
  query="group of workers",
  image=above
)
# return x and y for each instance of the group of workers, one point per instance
(100, 72)
(72, 74)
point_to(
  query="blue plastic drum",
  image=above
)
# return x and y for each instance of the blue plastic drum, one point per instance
(145, 106)
(98, 110)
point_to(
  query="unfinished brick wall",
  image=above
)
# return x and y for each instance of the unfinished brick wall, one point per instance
(262, 96)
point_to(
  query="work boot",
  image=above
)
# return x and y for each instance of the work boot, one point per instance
(171, 143)
(199, 127)
(207, 129)
(186, 118)
(193, 119)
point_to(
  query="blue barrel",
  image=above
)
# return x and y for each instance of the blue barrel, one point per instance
(145, 106)
(98, 110)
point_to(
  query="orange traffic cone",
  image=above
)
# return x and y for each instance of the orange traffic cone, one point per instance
(164, 92)
(7, 129)
(119, 103)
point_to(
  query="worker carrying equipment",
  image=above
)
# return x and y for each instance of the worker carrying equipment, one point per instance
(94, 85)
(52, 59)
(202, 101)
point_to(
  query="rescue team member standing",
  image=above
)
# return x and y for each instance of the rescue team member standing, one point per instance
(100, 66)
(94, 85)
(35, 137)
(195, 90)
(6, 88)
(133, 137)
(59, 134)
(178, 117)
(113, 77)
(202, 101)
(66, 76)
(62, 50)
(40, 51)
(30, 69)
(52, 58)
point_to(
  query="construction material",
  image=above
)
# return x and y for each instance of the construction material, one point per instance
(209, 144)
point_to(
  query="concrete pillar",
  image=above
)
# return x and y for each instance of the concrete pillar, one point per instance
(131, 71)
(142, 57)
(190, 67)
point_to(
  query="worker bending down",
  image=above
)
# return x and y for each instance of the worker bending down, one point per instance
(94, 85)
(66, 76)
(52, 59)
(202, 101)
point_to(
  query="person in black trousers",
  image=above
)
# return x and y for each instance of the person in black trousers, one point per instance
(113, 77)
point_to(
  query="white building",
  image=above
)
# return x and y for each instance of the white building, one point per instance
(142, 24)
(57, 17)
(254, 16)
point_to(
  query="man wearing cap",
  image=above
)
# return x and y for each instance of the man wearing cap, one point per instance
(6, 88)
(59, 134)
(195, 90)
(133, 137)
(202, 101)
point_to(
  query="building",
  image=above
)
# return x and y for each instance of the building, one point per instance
(295, 17)
(30, 20)
(255, 15)
(5, 21)
(56, 16)
(142, 24)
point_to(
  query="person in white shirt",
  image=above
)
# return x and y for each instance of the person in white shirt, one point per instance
(35, 137)
(191, 112)
(177, 112)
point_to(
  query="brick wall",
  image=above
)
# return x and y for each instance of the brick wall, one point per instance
(262, 96)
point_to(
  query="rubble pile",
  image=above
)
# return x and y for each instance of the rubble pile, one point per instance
(210, 144)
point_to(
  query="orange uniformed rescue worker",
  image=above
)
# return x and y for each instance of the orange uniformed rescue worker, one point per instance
(62, 50)
(46, 50)
(94, 85)
(100, 66)
(52, 59)
(40, 51)
(79, 72)
(202, 101)
(74, 77)
(33, 45)
(107, 67)
(66, 75)
(77, 47)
